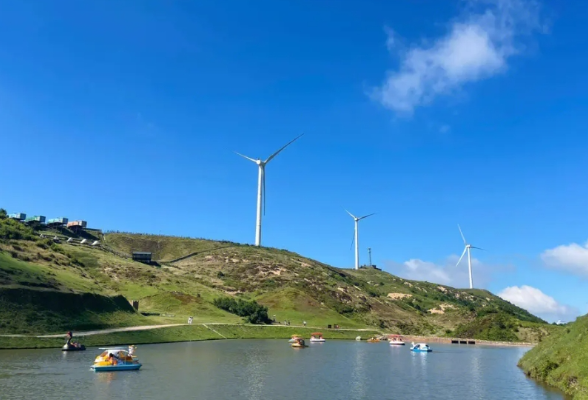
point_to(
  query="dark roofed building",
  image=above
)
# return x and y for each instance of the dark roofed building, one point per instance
(142, 256)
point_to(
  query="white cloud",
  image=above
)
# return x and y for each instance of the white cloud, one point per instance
(391, 39)
(446, 273)
(571, 258)
(538, 303)
(476, 46)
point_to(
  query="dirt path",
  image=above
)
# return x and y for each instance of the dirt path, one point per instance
(102, 331)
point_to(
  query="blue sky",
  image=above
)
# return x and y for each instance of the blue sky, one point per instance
(127, 114)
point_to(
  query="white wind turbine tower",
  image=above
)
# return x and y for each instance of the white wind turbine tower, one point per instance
(467, 248)
(356, 237)
(261, 187)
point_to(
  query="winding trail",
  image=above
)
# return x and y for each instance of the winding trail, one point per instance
(101, 331)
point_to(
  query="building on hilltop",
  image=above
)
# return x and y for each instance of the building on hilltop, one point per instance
(142, 257)
(18, 216)
(57, 221)
(37, 219)
(76, 225)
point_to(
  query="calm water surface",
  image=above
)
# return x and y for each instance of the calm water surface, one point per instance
(270, 369)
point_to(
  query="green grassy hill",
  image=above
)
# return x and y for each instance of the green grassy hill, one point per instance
(561, 360)
(191, 273)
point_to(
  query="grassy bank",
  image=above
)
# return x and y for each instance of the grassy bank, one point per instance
(26, 311)
(67, 285)
(182, 334)
(561, 360)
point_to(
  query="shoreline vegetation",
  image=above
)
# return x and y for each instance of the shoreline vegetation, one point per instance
(54, 279)
(182, 333)
(213, 331)
(561, 360)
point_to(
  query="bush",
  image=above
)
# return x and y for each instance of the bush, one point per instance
(11, 229)
(253, 312)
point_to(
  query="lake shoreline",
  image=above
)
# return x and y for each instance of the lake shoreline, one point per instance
(448, 340)
(202, 332)
(182, 333)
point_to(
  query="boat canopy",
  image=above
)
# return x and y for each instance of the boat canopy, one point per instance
(296, 336)
(113, 348)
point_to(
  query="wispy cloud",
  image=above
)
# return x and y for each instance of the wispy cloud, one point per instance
(571, 258)
(446, 273)
(538, 303)
(477, 45)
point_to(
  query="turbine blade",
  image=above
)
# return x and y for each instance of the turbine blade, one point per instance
(278, 152)
(479, 248)
(352, 241)
(352, 216)
(461, 233)
(462, 254)
(365, 216)
(249, 158)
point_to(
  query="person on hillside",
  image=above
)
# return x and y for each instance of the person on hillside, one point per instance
(304, 322)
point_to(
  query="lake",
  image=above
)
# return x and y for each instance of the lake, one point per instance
(270, 369)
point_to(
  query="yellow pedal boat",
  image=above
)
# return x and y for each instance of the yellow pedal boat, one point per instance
(116, 359)
(298, 343)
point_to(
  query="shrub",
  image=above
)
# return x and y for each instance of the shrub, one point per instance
(253, 312)
(11, 229)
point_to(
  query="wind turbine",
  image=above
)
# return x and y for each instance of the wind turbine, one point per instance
(261, 187)
(356, 237)
(467, 248)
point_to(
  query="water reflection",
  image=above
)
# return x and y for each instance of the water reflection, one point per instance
(255, 373)
(256, 370)
(358, 376)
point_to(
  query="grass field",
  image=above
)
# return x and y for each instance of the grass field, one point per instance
(49, 311)
(192, 273)
(182, 334)
(561, 360)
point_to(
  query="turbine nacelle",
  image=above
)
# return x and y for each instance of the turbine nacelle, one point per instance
(356, 236)
(261, 186)
(467, 249)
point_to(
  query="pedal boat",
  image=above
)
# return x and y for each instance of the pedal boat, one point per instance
(396, 340)
(116, 359)
(373, 340)
(421, 348)
(294, 338)
(317, 337)
(298, 343)
(69, 346)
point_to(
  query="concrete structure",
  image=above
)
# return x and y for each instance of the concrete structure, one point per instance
(142, 256)
(77, 224)
(39, 219)
(57, 221)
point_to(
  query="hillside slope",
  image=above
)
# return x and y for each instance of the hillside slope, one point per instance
(297, 288)
(561, 360)
(191, 273)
